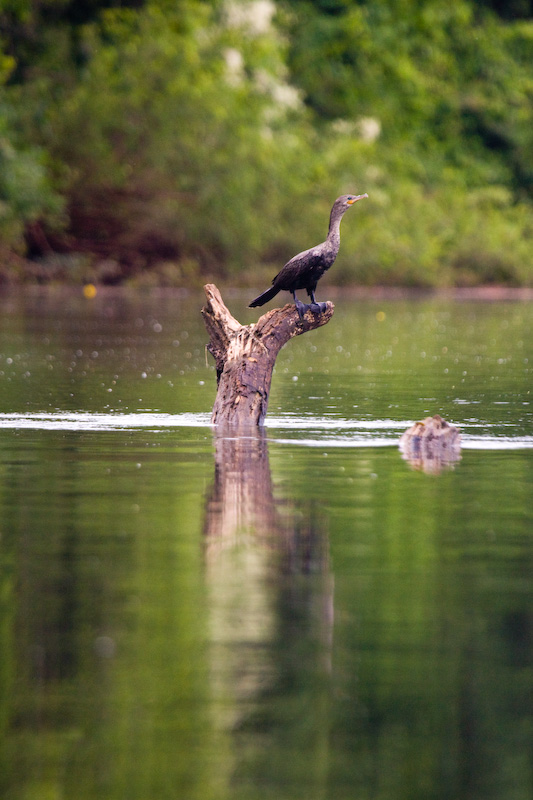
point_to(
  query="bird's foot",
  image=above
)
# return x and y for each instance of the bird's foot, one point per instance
(301, 308)
(317, 308)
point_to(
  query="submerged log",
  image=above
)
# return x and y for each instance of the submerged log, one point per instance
(431, 445)
(245, 355)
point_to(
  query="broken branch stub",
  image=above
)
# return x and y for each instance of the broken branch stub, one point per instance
(245, 355)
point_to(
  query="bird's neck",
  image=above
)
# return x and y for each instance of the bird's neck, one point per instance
(334, 232)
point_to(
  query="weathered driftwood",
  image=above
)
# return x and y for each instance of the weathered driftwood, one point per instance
(245, 355)
(431, 444)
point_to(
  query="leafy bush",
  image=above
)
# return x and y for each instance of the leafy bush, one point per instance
(205, 154)
(181, 145)
(26, 191)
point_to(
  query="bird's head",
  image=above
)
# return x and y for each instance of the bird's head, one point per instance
(350, 199)
(343, 203)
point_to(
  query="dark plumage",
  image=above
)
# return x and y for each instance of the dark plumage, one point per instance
(305, 269)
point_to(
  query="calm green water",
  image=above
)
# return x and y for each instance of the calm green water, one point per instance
(301, 614)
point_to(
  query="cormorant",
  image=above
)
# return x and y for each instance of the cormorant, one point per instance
(305, 269)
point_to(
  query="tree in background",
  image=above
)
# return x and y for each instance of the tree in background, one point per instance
(26, 191)
(446, 90)
(188, 137)
(177, 135)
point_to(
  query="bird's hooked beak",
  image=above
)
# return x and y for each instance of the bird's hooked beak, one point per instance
(353, 200)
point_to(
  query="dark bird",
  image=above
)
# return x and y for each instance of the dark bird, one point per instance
(305, 269)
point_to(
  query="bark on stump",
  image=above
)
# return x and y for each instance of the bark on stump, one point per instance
(245, 355)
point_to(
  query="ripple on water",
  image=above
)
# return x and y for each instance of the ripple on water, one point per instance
(85, 421)
(306, 431)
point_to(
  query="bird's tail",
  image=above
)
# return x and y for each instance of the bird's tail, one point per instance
(264, 298)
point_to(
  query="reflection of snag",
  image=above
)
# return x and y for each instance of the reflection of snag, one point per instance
(240, 502)
(245, 355)
(241, 507)
(262, 554)
(431, 444)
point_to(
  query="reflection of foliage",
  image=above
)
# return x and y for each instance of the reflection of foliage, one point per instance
(131, 667)
(178, 138)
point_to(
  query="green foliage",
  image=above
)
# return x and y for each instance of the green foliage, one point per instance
(26, 191)
(432, 74)
(181, 146)
(204, 153)
(443, 237)
(448, 90)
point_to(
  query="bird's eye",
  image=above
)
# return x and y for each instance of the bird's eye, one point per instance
(350, 197)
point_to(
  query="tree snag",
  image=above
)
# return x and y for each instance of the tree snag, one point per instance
(245, 355)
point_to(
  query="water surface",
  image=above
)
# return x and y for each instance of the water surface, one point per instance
(297, 613)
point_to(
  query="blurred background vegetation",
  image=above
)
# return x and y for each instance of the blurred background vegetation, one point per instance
(163, 142)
